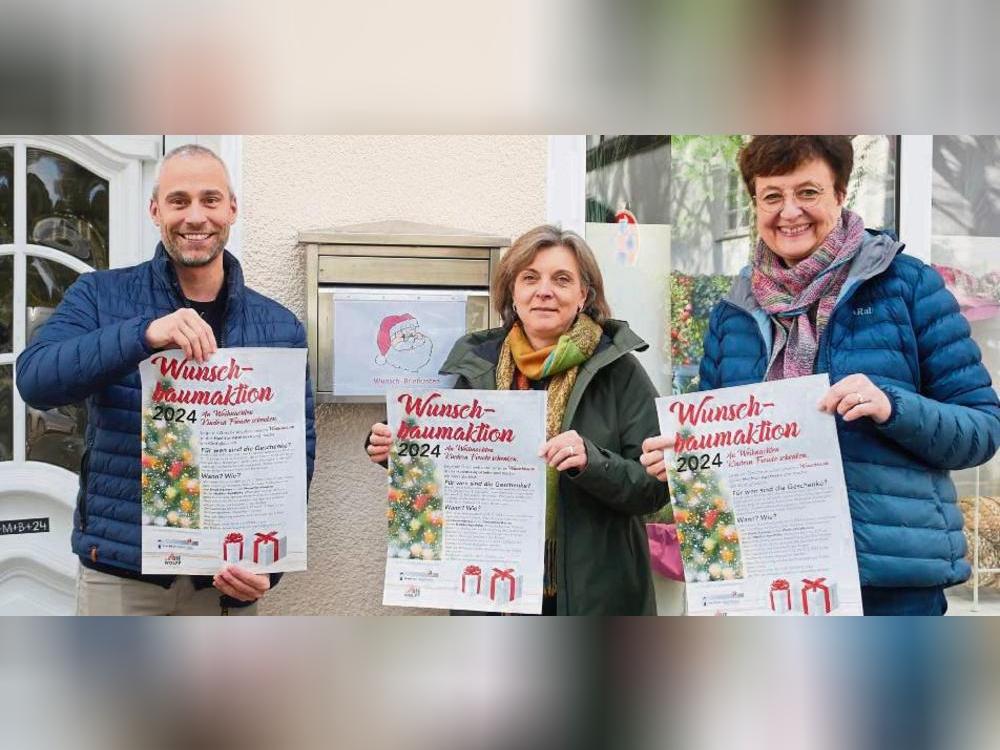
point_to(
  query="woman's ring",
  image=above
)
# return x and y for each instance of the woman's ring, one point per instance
(572, 450)
(861, 399)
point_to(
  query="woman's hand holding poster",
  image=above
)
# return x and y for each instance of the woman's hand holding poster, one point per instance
(224, 461)
(466, 500)
(759, 499)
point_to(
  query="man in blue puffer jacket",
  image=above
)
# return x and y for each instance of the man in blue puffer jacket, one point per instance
(911, 396)
(190, 296)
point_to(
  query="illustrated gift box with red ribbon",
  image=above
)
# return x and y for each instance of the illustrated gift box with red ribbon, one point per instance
(472, 580)
(780, 596)
(817, 596)
(505, 586)
(232, 547)
(269, 547)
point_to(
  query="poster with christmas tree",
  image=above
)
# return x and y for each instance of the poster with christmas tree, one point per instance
(758, 494)
(222, 462)
(465, 500)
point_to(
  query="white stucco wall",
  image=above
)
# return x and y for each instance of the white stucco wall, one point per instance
(492, 184)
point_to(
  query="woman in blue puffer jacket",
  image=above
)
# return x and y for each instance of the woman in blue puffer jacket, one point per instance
(823, 294)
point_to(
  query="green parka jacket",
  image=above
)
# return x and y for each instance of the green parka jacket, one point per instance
(601, 540)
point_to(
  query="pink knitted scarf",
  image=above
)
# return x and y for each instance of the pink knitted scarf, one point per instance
(801, 299)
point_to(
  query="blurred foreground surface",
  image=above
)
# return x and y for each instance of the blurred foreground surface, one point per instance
(453, 683)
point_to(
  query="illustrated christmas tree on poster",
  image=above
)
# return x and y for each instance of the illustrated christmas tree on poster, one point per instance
(416, 520)
(706, 526)
(171, 486)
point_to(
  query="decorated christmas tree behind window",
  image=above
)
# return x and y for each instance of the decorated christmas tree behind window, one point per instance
(706, 526)
(416, 521)
(171, 489)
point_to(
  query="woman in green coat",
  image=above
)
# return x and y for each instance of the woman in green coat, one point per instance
(558, 336)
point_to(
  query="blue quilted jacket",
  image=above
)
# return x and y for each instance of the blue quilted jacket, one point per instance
(89, 350)
(896, 323)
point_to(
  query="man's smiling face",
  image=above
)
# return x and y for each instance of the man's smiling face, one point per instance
(194, 209)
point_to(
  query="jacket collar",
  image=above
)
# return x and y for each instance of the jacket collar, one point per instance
(163, 272)
(475, 356)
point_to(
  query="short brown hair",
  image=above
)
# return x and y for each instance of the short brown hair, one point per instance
(523, 251)
(768, 155)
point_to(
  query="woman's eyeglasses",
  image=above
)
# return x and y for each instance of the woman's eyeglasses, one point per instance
(772, 201)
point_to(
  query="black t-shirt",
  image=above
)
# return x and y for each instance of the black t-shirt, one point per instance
(212, 313)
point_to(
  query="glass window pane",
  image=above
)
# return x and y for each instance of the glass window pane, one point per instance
(6, 411)
(871, 191)
(6, 303)
(711, 226)
(628, 173)
(55, 436)
(965, 249)
(628, 190)
(47, 282)
(6, 195)
(67, 207)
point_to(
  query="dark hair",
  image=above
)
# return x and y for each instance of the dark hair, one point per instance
(768, 155)
(524, 250)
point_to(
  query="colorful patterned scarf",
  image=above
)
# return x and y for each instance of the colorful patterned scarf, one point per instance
(801, 299)
(519, 364)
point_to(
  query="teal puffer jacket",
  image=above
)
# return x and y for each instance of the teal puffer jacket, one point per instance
(896, 323)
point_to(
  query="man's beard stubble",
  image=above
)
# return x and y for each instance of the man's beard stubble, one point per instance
(196, 261)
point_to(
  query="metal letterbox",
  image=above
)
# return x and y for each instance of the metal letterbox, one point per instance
(386, 301)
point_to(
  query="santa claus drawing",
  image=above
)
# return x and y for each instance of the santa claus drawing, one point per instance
(402, 344)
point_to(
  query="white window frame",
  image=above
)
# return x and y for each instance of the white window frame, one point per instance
(566, 182)
(916, 181)
(124, 174)
(127, 163)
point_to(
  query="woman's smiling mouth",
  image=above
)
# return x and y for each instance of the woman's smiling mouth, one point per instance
(794, 231)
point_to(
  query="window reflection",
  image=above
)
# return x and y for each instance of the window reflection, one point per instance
(6, 407)
(6, 303)
(966, 200)
(67, 207)
(55, 436)
(965, 250)
(47, 282)
(628, 173)
(6, 195)
(738, 214)
(872, 190)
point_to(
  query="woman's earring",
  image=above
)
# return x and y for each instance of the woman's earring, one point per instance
(514, 308)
